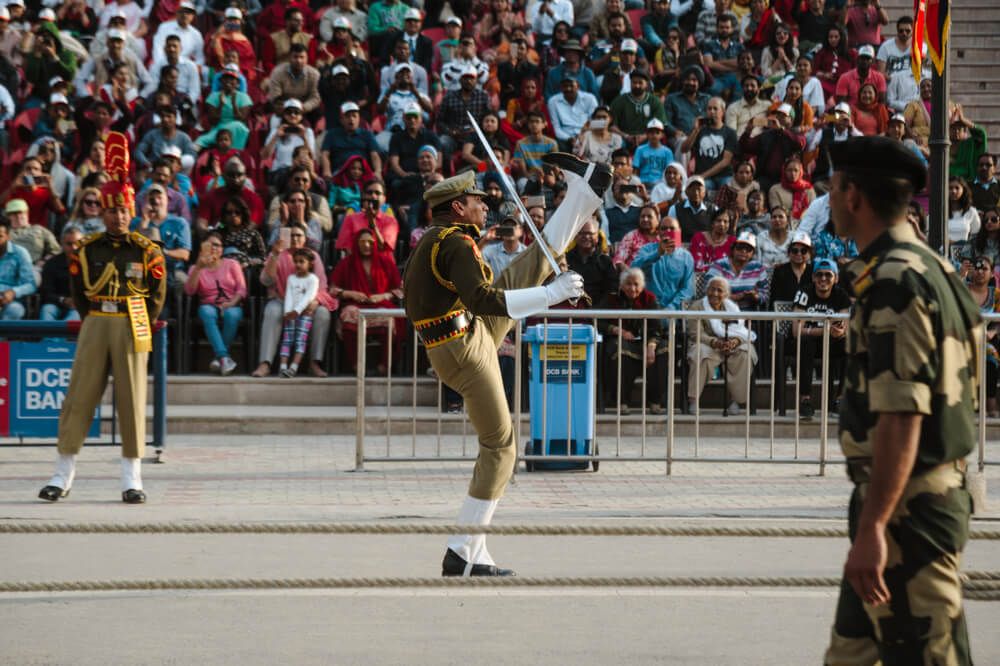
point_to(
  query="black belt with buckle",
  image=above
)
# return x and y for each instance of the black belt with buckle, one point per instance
(449, 327)
(109, 306)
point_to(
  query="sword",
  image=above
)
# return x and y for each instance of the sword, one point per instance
(505, 179)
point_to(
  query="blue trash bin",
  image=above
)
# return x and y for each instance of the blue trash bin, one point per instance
(551, 435)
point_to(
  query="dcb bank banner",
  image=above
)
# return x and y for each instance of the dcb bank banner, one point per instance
(34, 377)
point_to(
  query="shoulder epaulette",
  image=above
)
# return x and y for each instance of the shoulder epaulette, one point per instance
(90, 238)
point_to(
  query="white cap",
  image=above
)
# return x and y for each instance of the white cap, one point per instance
(470, 70)
(234, 13)
(786, 109)
(56, 80)
(188, 5)
(899, 118)
(4, 14)
(694, 179)
(347, 107)
(46, 15)
(800, 238)
(630, 45)
(19, 3)
(232, 69)
(843, 107)
(292, 103)
(413, 14)
(748, 238)
(342, 22)
(866, 50)
(58, 98)
(340, 69)
(171, 151)
(412, 109)
(115, 33)
(453, 19)
(654, 123)
(401, 66)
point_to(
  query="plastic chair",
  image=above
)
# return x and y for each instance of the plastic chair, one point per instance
(634, 17)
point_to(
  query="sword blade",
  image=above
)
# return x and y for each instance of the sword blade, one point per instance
(509, 184)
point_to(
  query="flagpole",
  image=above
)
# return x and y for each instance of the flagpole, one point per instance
(939, 143)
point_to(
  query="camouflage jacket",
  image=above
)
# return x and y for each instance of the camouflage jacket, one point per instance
(914, 345)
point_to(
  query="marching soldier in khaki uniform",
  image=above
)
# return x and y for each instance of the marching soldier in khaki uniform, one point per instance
(462, 315)
(118, 282)
(906, 421)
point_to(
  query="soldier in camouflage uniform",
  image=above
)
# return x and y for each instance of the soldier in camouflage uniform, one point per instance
(906, 421)
(118, 283)
(462, 316)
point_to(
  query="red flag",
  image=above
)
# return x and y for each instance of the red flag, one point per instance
(938, 23)
(917, 43)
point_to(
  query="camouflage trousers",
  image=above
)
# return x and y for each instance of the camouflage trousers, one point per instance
(923, 623)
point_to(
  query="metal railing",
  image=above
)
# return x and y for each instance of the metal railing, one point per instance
(643, 437)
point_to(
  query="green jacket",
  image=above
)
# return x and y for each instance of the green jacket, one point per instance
(969, 151)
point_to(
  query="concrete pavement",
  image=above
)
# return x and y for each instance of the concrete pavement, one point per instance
(290, 479)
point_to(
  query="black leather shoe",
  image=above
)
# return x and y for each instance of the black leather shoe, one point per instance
(133, 496)
(600, 179)
(454, 565)
(52, 493)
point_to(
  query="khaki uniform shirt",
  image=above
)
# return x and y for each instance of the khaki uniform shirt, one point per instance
(116, 268)
(446, 272)
(913, 346)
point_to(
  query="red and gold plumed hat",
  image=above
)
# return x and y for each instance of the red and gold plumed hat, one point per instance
(117, 191)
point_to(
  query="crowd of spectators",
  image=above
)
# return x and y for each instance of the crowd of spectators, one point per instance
(273, 142)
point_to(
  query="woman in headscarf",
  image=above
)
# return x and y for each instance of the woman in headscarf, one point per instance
(518, 108)
(345, 190)
(367, 279)
(670, 189)
(641, 343)
(871, 117)
(721, 339)
(794, 193)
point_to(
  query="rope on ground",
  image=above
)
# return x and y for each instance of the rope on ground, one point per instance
(973, 590)
(427, 528)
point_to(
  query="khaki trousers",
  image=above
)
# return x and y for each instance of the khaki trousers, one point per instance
(105, 343)
(738, 369)
(470, 364)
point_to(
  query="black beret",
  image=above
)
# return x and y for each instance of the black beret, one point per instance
(880, 156)
(697, 71)
(641, 73)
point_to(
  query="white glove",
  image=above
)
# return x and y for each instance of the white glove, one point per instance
(566, 286)
(525, 302)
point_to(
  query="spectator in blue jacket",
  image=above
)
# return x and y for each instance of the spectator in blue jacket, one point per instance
(17, 277)
(669, 268)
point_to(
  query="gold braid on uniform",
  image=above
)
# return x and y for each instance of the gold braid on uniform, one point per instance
(448, 284)
(110, 274)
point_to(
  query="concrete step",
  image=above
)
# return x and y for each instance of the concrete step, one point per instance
(185, 390)
(287, 420)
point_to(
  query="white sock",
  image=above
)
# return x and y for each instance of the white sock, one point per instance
(294, 367)
(472, 547)
(65, 471)
(131, 474)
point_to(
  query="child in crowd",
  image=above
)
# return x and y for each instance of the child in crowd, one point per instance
(210, 174)
(527, 160)
(652, 157)
(300, 291)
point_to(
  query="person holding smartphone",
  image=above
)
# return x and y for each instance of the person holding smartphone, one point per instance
(287, 133)
(669, 268)
(35, 186)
